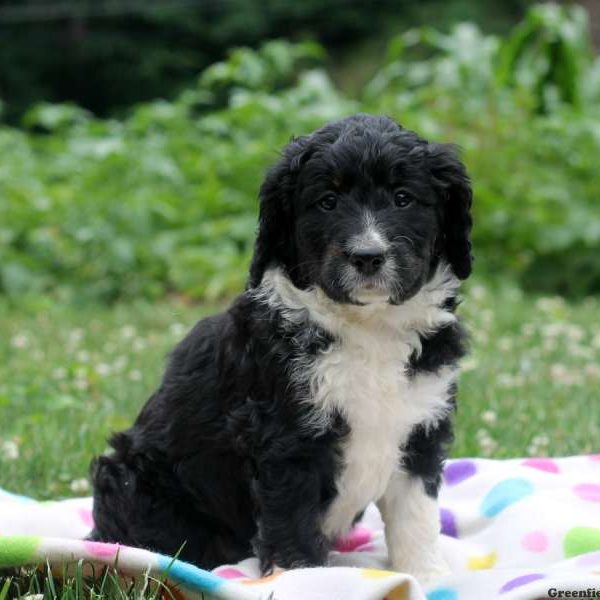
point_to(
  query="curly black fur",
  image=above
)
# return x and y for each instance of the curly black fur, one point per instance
(220, 459)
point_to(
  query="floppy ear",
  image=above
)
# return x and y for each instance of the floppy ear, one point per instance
(454, 187)
(275, 240)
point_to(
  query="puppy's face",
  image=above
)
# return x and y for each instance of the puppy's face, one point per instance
(366, 220)
(364, 210)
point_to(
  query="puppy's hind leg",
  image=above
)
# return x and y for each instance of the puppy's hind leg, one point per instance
(139, 503)
(113, 506)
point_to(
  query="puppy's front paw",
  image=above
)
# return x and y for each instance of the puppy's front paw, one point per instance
(431, 573)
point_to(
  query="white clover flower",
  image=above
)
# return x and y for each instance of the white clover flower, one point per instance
(539, 445)
(83, 356)
(469, 364)
(103, 369)
(79, 486)
(489, 417)
(478, 292)
(575, 332)
(580, 351)
(482, 433)
(81, 384)
(120, 363)
(42, 203)
(525, 364)
(563, 376)
(550, 304)
(553, 330)
(528, 330)
(592, 370)
(59, 373)
(135, 375)
(177, 329)
(487, 316)
(127, 332)
(488, 445)
(481, 336)
(558, 370)
(9, 449)
(532, 450)
(19, 341)
(138, 344)
(75, 336)
(504, 379)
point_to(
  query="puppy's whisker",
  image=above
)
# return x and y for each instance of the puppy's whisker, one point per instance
(411, 241)
(303, 264)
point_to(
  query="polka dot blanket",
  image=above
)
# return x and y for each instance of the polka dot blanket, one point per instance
(512, 529)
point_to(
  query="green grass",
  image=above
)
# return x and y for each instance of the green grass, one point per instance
(80, 581)
(71, 375)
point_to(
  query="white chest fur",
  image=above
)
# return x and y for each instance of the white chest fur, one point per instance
(363, 377)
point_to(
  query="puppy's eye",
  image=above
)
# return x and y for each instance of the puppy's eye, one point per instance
(328, 202)
(401, 200)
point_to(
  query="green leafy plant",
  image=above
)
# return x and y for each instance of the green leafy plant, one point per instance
(549, 54)
(164, 200)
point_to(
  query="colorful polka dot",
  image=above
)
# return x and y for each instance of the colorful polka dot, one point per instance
(444, 593)
(589, 560)
(376, 573)
(504, 494)
(542, 464)
(86, 516)
(519, 581)
(588, 491)
(101, 550)
(188, 574)
(229, 573)
(581, 540)
(356, 541)
(459, 470)
(535, 541)
(17, 497)
(485, 561)
(448, 523)
(18, 550)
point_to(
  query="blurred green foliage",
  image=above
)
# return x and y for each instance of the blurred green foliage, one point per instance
(138, 50)
(164, 201)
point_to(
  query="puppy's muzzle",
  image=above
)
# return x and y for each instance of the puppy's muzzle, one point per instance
(367, 260)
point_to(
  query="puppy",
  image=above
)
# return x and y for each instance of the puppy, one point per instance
(328, 384)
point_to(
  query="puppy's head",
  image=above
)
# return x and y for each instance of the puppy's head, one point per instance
(364, 210)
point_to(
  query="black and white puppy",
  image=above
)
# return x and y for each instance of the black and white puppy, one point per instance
(328, 384)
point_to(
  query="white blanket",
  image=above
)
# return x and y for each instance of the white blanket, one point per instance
(512, 529)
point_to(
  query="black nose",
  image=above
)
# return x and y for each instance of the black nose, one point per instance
(367, 260)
